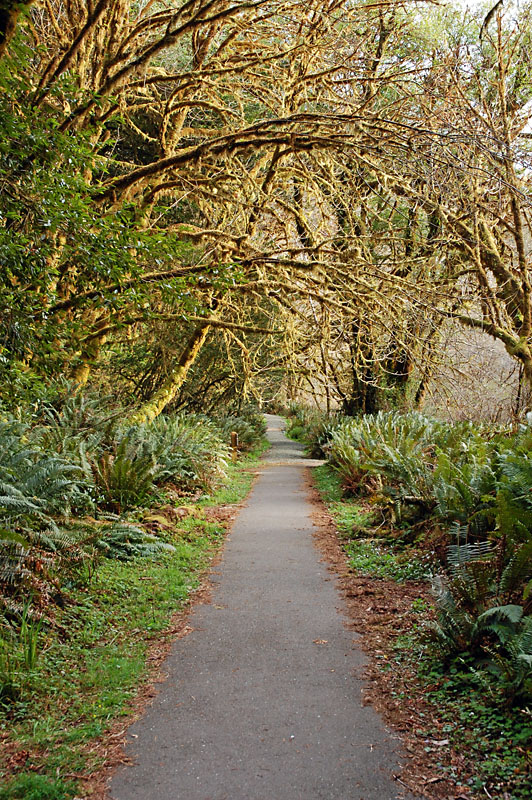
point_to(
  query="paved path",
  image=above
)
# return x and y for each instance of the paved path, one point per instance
(261, 702)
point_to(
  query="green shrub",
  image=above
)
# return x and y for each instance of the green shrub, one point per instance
(77, 420)
(37, 491)
(125, 541)
(397, 448)
(423, 466)
(250, 430)
(479, 614)
(464, 485)
(312, 427)
(124, 476)
(188, 449)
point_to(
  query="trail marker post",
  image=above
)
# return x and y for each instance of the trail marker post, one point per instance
(234, 445)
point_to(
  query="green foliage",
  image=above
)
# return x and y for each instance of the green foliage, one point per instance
(124, 476)
(388, 445)
(359, 528)
(475, 615)
(250, 427)
(57, 243)
(75, 461)
(464, 486)
(19, 653)
(313, 428)
(372, 558)
(514, 499)
(189, 450)
(468, 709)
(37, 787)
(423, 468)
(36, 488)
(477, 488)
(126, 541)
(76, 422)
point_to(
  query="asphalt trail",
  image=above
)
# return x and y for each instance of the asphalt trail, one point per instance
(262, 701)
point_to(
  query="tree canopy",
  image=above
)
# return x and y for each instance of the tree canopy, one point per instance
(281, 189)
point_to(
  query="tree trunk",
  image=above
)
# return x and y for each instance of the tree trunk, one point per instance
(9, 13)
(171, 386)
(88, 357)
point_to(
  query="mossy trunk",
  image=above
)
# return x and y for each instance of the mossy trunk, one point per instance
(171, 386)
(88, 357)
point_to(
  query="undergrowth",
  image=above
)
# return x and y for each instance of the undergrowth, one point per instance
(364, 537)
(492, 738)
(469, 650)
(91, 656)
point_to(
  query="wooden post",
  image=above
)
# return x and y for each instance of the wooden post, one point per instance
(234, 445)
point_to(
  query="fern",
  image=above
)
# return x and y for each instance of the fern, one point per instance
(249, 431)
(35, 487)
(461, 554)
(509, 657)
(189, 450)
(125, 476)
(124, 542)
(518, 570)
(395, 447)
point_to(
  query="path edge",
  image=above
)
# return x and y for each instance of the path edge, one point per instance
(112, 745)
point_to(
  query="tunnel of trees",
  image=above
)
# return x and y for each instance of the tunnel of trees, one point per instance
(212, 208)
(286, 191)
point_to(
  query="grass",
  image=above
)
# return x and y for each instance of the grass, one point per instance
(370, 558)
(491, 738)
(92, 660)
(363, 535)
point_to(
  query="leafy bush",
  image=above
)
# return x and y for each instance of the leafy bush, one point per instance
(475, 485)
(250, 429)
(312, 427)
(33, 483)
(188, 449)
(35, 488)
(477, 613)
(77, 423)
(423, 466)
(397, 447)
(464, 486)
(124, 541)
(124, 475)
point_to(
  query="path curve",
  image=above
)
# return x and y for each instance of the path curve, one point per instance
(262, 700)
